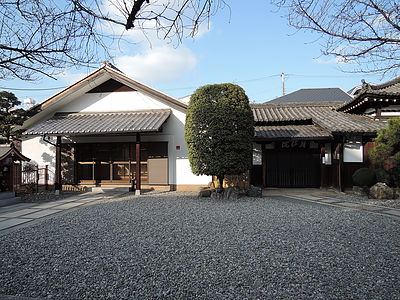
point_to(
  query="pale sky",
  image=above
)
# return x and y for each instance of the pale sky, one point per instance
(250, 45)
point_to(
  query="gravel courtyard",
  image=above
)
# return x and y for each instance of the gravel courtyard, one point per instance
(175, 246)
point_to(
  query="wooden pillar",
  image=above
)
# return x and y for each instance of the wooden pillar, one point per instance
(93, 166)
(46, 177)
(378, 113)
(58, 184)
(11, 177)
(75, 164)
(264, 165)
(340, 167)
(37, 179)
(322, 167)
(138, 167)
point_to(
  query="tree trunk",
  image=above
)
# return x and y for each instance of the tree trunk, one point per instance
(221, 181)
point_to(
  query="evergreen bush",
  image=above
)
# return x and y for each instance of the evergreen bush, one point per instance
(395, 176)
(383, 176)
(387, 149)
(364, 177)
(219, 131)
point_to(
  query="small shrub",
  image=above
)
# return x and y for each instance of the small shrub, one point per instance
(30, 188)
(395, 176)
(29, 167)
(364, 177)
(383, 176)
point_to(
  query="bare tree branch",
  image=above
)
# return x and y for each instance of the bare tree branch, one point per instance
(52, 35)
(137, 5)
(363, 33)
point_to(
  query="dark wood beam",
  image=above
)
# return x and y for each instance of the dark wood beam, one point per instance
(264, 165)
(378, 113)
(58, 184)
(138, 167)
(340, 171)
(322, 166)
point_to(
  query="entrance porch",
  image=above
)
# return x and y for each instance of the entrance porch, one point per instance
(115, 164)
(107, 148)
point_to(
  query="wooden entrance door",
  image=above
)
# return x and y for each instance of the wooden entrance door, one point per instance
(292, 169)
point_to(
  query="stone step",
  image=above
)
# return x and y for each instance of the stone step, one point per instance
(6, 195)
(10, 201)
(109, 189)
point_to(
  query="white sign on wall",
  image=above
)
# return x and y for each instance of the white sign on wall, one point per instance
(327, 159)
(353, 150)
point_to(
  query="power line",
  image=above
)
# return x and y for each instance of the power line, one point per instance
(257, 79)
(324, 76)
(194, 87)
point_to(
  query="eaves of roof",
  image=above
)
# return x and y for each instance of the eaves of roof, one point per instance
(291, 132)
(384, 92)
(99, 123)
(323, 115)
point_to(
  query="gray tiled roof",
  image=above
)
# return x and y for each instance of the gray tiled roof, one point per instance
(101, 122)
(391, 87)
(389, 91)
(293, 132)
(321, 114)
(6, 150)
(314, 95)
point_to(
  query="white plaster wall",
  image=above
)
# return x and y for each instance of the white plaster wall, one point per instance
(118, 101)
(40, 153)
(388, 111)
(173, 132)
(390, 114)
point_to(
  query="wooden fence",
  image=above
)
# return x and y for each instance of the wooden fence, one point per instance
(31, 179)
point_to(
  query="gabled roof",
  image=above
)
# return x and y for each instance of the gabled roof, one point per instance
(321, 114)
(314, 95)
(385, 92)
(6, 150)
(116, 74)
(99, 123)
(101, 75)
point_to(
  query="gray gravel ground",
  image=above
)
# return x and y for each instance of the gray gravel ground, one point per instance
(175, 246)
(349, 197)
(46, 196)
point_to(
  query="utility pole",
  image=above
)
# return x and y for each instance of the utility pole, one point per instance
(283, 83)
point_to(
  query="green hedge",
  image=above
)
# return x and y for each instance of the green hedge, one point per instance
(368, 177)
(364, 177)
(383, 176)
(395, 176)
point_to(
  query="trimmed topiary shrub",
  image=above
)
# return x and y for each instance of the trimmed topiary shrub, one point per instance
(395, 176)
(383, 176)
(219, 131)
(364, 177)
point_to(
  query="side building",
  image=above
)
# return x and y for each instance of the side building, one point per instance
(379, 101)
(309, 144)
